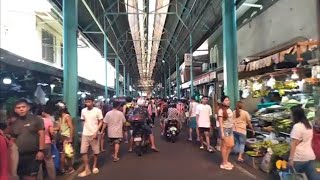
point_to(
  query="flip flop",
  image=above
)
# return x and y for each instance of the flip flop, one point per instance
(240, 160)
(116, 159)
(154, 150)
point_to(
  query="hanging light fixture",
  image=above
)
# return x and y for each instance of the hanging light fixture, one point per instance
(294, 76)
(7, 80)
(271, 82)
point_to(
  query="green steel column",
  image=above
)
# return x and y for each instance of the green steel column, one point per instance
(128, 84)
(106, 66)
(117, 77)
(164, 85)
(169, 82)
(124, 80)
(230, 59)
(70, 59)
(178, 77)
(191, 66)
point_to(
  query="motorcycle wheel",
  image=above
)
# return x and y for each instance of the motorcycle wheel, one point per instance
(138, 149)
(173, 139)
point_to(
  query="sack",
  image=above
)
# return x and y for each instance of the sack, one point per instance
(56, 156)
(68, 150)
(292, 175)
(316, 144)
(266, 164)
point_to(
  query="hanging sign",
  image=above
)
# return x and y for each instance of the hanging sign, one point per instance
(187, 59)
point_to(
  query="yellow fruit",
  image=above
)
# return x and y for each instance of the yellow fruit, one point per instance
(279, 164)
(284, 164)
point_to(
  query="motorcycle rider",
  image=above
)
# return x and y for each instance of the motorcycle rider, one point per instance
(143, 110)
(126, 108)
(163, 114)
(173, 114)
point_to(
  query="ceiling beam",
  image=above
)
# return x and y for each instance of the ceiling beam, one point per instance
(100, 27)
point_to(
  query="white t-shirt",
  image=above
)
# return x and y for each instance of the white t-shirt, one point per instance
(204, 112)
(91, 120)
(193, 107)
(304, 151)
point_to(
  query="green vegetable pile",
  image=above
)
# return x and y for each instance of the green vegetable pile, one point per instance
(284, 125)
(280, 149)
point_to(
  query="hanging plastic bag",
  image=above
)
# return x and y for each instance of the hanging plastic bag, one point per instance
(56, 156)
(68, 150)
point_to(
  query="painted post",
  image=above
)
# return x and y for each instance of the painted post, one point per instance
(117, 77)
(191, 67)
(124, 80)
(230, 59)
(128, 84)
(178, 77)
(169, 81)
(106, 94)
(70, 58)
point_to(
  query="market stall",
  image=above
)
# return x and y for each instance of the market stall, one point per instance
(279, 90)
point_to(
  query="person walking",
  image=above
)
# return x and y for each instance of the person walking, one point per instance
(192, 118)
(225, 116)
(302, 157)
(115, 121)
(45, 113)
(152, 110)
(203, 114)
(65, 131)
(92, 122)
(241, 121)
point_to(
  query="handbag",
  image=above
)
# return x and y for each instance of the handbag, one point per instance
(292, 175)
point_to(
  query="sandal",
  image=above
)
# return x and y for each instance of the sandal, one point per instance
(154, 149)
(116, 159)
(240, 160)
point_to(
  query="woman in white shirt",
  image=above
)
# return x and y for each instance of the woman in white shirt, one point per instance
(301, 153)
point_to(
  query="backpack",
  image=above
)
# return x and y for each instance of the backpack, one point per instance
(129, 109)
(165, 107)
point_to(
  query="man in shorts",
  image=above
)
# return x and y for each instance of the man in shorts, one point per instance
(92, 122)
(203, 114)
(114, 120)
(28, 133)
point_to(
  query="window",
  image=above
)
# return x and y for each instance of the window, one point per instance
(61, 52)
(48, 46)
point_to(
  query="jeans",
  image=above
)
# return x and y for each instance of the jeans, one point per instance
(240, 142)
(307, 167)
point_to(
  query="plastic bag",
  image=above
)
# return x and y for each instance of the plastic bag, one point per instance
(292, 175)
(56, 156)
(266, 164)
(68, 150)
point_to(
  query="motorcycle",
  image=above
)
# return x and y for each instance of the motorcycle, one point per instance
(140, 137)
(171, 130)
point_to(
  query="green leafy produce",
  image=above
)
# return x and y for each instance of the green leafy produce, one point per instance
(284, 125)
(280, 149)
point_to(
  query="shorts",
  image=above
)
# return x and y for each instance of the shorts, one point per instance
(47, 151)
(87, 141)
(115, 140)
(28, 165)
(193, 123)
(227, 132)
(202, 130)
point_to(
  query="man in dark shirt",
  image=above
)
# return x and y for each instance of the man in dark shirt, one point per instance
(28, 132)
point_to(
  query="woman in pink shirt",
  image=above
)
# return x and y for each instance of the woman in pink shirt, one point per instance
(48, 125)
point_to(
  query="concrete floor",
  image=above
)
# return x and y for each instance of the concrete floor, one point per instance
(181, 160)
